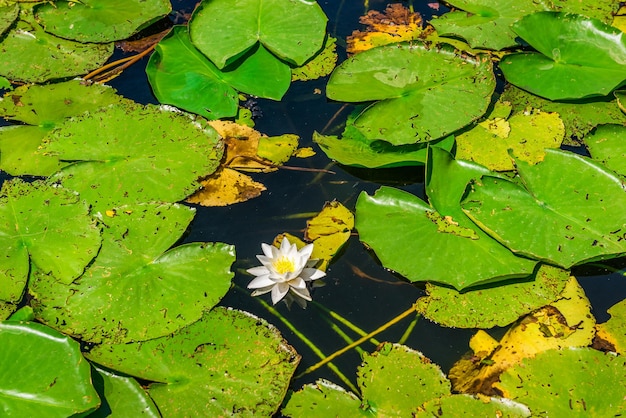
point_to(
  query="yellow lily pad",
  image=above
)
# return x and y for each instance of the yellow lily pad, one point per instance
(277, 149)
(305, 152)
(226, 187)
(242, 143)
(525, 134)
(567, 322)
(612, 333)
(395, 24)
(329, 231)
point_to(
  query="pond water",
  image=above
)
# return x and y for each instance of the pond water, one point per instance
(357, 287)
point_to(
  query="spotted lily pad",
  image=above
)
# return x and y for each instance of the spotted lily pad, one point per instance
(577, 56)
(8, 14)
(572, 382)
(99, 20)
(30, 54)
(486, 23)
(137, 289)
(42, 108)
(47, 226)
(575, 204)
(421, 93)
(203, 368)
(613, 331)
(607, 145)
(132, 153)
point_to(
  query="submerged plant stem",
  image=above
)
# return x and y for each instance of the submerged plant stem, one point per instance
(409, 329)
(344, 321)
(359, 341)
(115, 68)
(306, 341)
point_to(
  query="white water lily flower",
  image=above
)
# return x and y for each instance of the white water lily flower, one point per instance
(283, 270)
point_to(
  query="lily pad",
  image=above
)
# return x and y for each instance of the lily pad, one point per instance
(530, 133)
(226, 187)
(203, 368)
(100, 20)
(421, 94)
(578, 116)
(395, 380)
(588, 383)
(292, 30)
(486, 23)
(135, 289)
(321, 399)
(613, 331)
(565, 322)
(492, 305)
(607, 145)
(320, 65)
(575, 204)
(31, 55)
(44, 107)
(132, 153)
(578, 57)
(8, 15)
(462, 405)
(121, 396)
(207, 90)
(358, 151)
(42, 373)
(6, 309)
(46, 226)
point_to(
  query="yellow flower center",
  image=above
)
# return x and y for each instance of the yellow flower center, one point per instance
(284, 265)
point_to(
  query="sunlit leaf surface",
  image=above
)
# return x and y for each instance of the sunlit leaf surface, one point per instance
(227, 361)
(486, 23)
(421, 94)
(578, 57)
(32, 55)
(100, 20)
(588, 383)
(137, 289)
(46, 226)
(133, 153)
(613, 331)
(226, 187)
(607, 144)
(42, 373)
(292, 30)
(122, 396)
(569, 211)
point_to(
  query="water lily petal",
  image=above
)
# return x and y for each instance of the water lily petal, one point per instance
(260, 282)
(258, 271)
(279, 291)
(310, 274)
(306, 251)
(263, 291)
(298, 283)
(302, 293)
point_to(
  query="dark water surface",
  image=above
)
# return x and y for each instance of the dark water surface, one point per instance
(370, 299)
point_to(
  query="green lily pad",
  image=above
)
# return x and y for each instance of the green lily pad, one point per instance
(462, 405)
(100, 20)
(530, 134)
(135, 289)
(422, 94)
(613, 331)
(45, 107)
(573, 203)
(6, 309)
(46, 226)
(204, 369)
(603, 10)
(32, 55)
(121, 396)
(323, 399)
(320, 65)
(574, 382)
(395, 380)
(578, 116)
(206, 90)
(578, 57)
(492, 305)
(607, 145)
(292, 30)
(25, 313)
(486, 23)
(411, 238)
(8, 15)
(48, 105)
(133, 153)
(43, 373)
